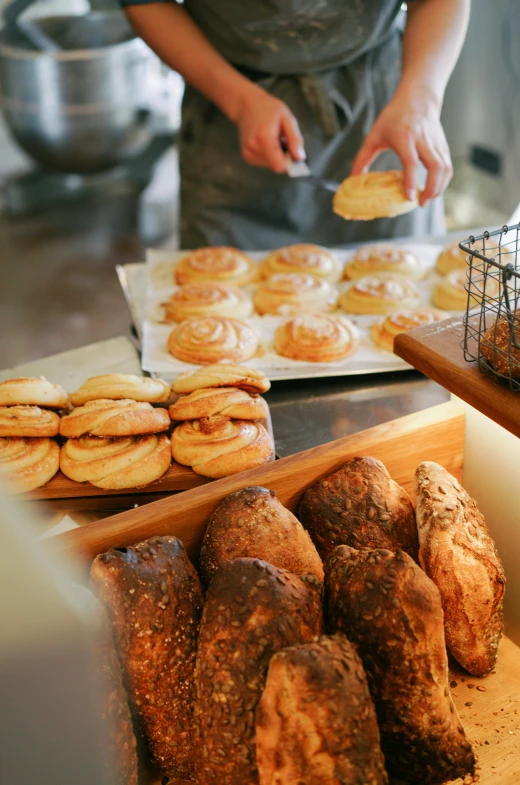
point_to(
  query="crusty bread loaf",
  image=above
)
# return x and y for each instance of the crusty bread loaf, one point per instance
(392, 613)
(154, 600)
(316, 723)
(252, 522)
(252, 610)
(359, 505)
(458, 554)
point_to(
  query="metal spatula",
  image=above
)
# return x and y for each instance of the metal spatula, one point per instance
(300, 170)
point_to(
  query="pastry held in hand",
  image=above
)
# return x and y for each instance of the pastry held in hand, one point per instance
(28, 421)
(316, 722)
(27, 463)
(32, 391)
(119, 386)
(383, 258)
(222, 375)
(391, 611)
(497, 347)
(114, 418)
(458, 554)
(226, 401)
(401, 321)
(363, 197)
(208, 340)
(302, 258)
(359, 505)
(219, 264)
(217, 446)
(114, 463)
(207, 299)
(252, 522)
(381, 293)
(285, 294)
(153, 598)
(316, 338)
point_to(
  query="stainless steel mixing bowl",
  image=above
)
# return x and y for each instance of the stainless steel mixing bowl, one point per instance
(84, 108)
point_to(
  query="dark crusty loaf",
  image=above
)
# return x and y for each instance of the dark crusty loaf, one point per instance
(497, 347)
(252, 522)
(316, 721)
(392, 613)
(154, 600)
(252, 610)
(359, 505)
(458, 554)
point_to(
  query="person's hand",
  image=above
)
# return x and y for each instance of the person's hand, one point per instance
(263, 122)
(410, 125)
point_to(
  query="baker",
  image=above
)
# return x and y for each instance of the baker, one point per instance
(343, 83)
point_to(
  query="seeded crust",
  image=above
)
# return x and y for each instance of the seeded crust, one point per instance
(252, 610)
(316, 721)
(393, 615)
(252, 522)
(458, 554)
(154, 600)
(361, 506)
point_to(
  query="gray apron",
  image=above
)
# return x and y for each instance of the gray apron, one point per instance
(336, 64)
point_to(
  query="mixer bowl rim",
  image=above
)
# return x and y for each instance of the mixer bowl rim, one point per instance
(18, 52)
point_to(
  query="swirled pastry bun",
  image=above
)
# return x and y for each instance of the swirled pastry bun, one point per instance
(219, 264)
(27, 463)
(316, 338)
(119, 386)
(207, 299)
(211, 339)
(401, 321)
(381, 293)
(383, 258)
(363, 197)
(227, 401)
(114, 463)
(217, 446)
(114, 418)
(28, 421)
(450, 293)
(286, 294)
(302, 258)
(222, 375)
(32, 391)
(451, 258)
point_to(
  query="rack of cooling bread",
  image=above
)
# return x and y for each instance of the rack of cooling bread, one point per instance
(340, 494)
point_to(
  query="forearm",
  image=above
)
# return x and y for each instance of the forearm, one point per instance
(433, 38)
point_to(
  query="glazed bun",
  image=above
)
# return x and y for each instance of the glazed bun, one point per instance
(316, 338)
(32, 391)
(286, 294)
(207, 299)
(363, 197)
(217, 265)
(208, 340)
(383, 258)
(27, 463)
(380, 293)
(302, 258)
(401, 321)
(119, 386)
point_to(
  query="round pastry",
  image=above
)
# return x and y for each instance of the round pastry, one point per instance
(451, 258)
(217, 446)
(114, 418)
(496, 346)
(28, 421)
(383, 258)
(218, 265)
(316, 338)
(400, 322)
(222, 375)
(288, 294)
(381, 293)
(450, 293)
(113, 463)
(120, 386)
(369, 195)
(302, 258)
(208, 340)
(28, 463)
(227, 401)
(207, 299)
(32, 391)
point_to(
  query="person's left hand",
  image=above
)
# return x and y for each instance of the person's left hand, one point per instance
(410, 125)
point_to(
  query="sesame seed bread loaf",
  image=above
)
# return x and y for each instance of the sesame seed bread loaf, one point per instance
(458, 554)
(252, 522)
(359, 505)
(252, 610)
(153, 598)
(392, 613)
(316, 721)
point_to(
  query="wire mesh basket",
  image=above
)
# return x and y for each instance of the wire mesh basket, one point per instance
(492, 318)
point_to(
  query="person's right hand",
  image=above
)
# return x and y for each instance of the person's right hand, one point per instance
(263, 121)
